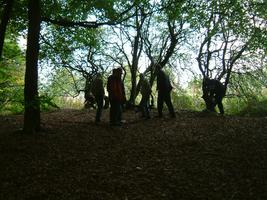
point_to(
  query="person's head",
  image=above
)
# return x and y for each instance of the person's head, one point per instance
(157, 68)
(118, 72)
(98, 75)
(113, 71)
(206, 81)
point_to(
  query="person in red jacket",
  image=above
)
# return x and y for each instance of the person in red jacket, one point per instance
(116, 92)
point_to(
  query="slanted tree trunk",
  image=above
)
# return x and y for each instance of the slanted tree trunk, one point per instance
(134, 67)
(32, 104)
(137, 50)
(163, 58)
(8, 4)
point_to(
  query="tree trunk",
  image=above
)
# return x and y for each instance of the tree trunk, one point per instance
(133, 89)
(32, 104)
(137, 49)
(134, 66)
(4, 21)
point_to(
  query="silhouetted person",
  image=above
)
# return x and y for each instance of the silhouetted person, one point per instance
(164, 88)
(97, 90)
(88, 96)
(213, 93)
(106, 102)
(144, 88)
(115, 88)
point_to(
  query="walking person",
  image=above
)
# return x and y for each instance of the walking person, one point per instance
(144, 88)
(164, 89)
(97, 89)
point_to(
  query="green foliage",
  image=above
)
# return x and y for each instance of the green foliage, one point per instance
(233, 106)
(103, 10)
(181, 101)
(11, 78)
(68, 47)
(248, 91)
(69, 102)
(47, 103)
(254, 106)
(61, 90)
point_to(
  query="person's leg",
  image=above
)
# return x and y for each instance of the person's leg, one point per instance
(116, 112)
(112, 113)
(168, 102)
(160, 103)
(142, 106)
(219, 103)
(119, 113)
(146, 107)
(209, 101)
(99, 102)
(106, 102)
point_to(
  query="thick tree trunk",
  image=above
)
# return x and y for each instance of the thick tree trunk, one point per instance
(32, 104)
(8, 4)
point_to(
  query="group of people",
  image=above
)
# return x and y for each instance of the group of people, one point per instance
(117, 97)
(213, 93)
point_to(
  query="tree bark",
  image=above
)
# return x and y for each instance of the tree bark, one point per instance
(134, 67)
(32, 104)
(136, 49)
(133, 88)
(4, 21)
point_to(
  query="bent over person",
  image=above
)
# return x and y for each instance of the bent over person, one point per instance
(97, 90)
(164, 88)
(213, 93)
(116, 92)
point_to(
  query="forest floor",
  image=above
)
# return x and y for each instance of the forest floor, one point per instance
(195, 156)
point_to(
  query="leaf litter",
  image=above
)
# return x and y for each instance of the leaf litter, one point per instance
(194, 156)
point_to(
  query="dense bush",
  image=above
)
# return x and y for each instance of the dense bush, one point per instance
(255, 107)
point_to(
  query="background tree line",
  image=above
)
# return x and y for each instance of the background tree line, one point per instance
(68, 42)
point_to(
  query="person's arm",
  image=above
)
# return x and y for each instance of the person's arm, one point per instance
(148, 87)
(205, 89)
(123, 92)
(101, 84)
(157, 88)
(138, 88)
(108, 84)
